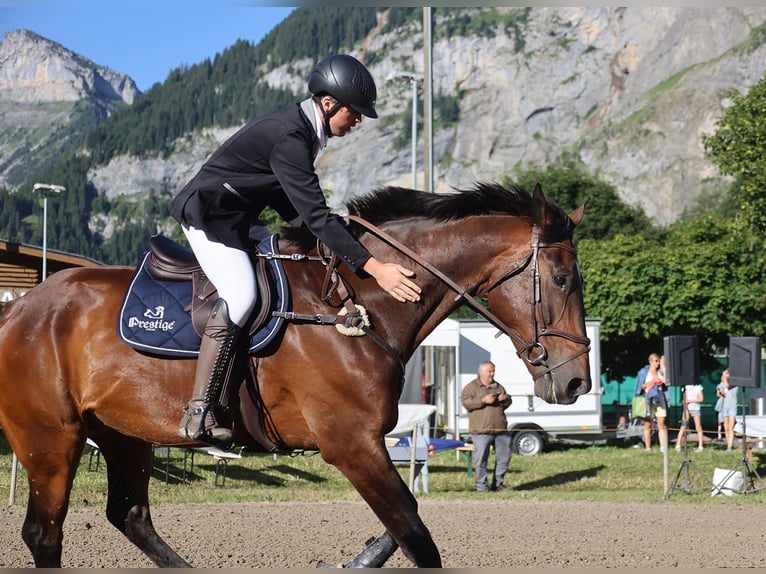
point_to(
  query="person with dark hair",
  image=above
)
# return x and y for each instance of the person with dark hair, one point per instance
(486, 400)
(269, 163)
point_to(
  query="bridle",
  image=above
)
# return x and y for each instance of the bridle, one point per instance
(533, 351)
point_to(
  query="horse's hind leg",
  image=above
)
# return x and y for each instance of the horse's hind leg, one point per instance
(374, 555)
(50, 460)
(129, 469)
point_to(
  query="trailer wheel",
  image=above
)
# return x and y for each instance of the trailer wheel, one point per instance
(527, 443)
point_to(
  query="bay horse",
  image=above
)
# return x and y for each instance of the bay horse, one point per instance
(65, 375)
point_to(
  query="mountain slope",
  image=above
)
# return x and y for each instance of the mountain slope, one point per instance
(48, 96)
(629, 90)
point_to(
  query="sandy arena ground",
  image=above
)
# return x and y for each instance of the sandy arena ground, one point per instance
(523, 534)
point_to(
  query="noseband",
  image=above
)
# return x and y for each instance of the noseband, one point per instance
(532, 351)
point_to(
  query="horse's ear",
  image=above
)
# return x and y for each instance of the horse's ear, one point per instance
(539, 206)
(576, 215)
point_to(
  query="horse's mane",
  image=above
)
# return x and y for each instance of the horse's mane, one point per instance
(387, 204)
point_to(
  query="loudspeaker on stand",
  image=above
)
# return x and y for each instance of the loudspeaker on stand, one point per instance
(745, 361)
(682, 362)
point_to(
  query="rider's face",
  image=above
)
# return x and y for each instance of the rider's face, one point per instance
(342, 120)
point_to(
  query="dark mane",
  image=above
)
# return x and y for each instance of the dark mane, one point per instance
(388, 204)
(393, 203)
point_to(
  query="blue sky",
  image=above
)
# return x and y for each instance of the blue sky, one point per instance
(141, 38)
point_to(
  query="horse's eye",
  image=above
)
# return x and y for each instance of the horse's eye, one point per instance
(560, 280)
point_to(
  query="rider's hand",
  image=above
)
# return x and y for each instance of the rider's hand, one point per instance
(393, 279)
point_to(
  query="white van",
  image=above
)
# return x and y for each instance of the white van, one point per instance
(449, 358)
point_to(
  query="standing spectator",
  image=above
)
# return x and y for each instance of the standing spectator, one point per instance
(663, 371)
(692, 408)
(651, 384)
(720, 392)
(729, 409)
(486, 400)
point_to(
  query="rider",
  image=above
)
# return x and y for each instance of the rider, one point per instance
(269, 162)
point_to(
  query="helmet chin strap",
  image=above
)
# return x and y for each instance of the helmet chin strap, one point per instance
(327, 114)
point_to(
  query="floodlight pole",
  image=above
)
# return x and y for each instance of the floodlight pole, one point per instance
(46, 189)
(414, 80)
(428, 161)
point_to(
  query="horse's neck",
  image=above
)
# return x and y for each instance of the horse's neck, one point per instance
(466, 251)
(481, 241)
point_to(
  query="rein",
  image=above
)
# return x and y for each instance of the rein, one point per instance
(534, 351)
(333, 283)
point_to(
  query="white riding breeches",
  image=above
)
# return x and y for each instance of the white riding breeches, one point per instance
(229, 269)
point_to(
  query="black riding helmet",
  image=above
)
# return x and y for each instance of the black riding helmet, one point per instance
(347, 80)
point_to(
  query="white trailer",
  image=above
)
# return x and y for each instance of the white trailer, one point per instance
(448, 360)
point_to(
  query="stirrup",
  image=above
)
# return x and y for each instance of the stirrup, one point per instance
(205, 434)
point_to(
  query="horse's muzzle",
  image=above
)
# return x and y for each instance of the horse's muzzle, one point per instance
(556, 389)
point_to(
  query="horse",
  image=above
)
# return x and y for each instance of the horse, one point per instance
(65, 376)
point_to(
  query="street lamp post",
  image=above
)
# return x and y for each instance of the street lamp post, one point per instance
(414, 80)
(46, 189)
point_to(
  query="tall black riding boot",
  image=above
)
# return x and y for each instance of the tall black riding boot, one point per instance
(215, 367)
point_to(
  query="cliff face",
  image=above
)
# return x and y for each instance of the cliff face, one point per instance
(630, 90)
(35, 70)
(47, 95)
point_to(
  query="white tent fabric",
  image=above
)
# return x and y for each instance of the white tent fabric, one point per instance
(412, 417)
(755, 425)
(409, 416)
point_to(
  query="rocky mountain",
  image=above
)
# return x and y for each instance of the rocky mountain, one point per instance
(49, 94)
(629, 90)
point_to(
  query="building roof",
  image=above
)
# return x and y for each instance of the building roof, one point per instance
(21, 266)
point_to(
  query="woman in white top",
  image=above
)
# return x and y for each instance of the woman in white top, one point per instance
(692, 405)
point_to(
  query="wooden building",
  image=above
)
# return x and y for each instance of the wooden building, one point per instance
(21, 266)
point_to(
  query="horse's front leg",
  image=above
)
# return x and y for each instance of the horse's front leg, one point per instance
(369, 468)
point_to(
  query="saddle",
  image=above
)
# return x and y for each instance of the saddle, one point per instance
(169, 261)
(169, 299)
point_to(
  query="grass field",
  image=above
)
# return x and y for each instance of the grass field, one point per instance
(598, 473)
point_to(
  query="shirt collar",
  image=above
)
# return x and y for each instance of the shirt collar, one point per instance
(321, 136)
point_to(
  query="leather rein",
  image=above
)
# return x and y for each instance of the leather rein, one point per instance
(533, 351)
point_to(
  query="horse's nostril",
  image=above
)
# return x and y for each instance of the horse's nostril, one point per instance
(577, 387)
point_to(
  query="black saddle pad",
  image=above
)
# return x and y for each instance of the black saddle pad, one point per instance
(152, 318)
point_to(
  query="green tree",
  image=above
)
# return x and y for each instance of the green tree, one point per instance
(568, 183)
(706, 278)
(737, 148)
